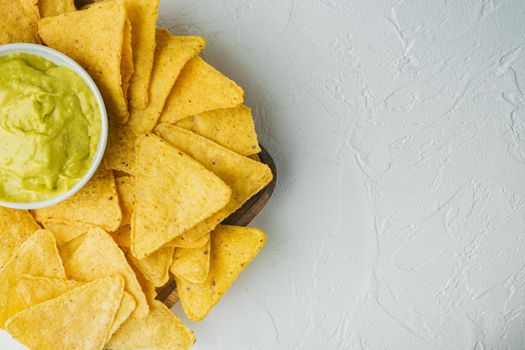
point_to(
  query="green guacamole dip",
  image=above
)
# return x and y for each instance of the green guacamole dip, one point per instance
(49, 128)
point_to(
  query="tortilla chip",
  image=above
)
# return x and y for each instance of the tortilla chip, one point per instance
(126, 308)
(19, 22)
(38, 256)
(182, 242)
(99, 256)
(50, 8)
(143, 17)
(93, 37)
(155, 267)
(79, 319)
(122, 236)
(35, 290)
(232, 249)
(147, 287)
(126, 64)
(16, 226)
(171, 54)
(65, 231)
(174, 193)
(120, 152)
(200, 88)
(232, 128)
(126, 194)
(245, 176)
(160, 330)
(192, 265)
(96, 203)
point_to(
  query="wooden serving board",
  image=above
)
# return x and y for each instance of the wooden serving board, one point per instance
(242, 217)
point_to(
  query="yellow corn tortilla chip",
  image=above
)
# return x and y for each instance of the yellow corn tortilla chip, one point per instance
(171, 54)
(122, 236)
(120, 152)
(147, 287)
(65, 231)
(50, 8)
(126, 64)
(160, 330)
(232, 128)
(93, 37)
(192, 265)
(37, 256)
(98, 256)
(79, 319)
(143, 17)
(246, 177)
(173, 193)
(155, 267)
(19, 22)
(126, 193)
(96, 203)
(232, 249)
(16, 226)
(182, 242)
(35, 290)
(200, 88)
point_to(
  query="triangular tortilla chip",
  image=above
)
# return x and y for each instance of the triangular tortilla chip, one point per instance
(232, 128)
(192, 265)
(16, 226)
(50, 8)
(36, 290)
(19, 22)
(79, 319)
(120, 152)
(155, 267)
(232, 249)
(182, 242)
(38, 256)
(143, 17)
(98, 256)
(200, 88)
(126, 64)
(174, 193)
(93, 37)
(65, 231)
(255, 157)
(160, 330)
(96, 203)
(245, 176)
(126, 193)
(171, 54)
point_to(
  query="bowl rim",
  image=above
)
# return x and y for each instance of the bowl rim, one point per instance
(61, 59)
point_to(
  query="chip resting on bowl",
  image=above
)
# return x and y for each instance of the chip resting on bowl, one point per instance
(93, 37)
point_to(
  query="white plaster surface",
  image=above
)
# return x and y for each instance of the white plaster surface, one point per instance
(399, 134)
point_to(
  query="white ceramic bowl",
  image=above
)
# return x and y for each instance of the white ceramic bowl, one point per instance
(62, 60)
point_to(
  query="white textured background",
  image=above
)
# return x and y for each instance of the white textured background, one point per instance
(399, 133)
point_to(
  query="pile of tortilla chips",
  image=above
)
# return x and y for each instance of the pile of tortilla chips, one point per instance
(181, 158)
